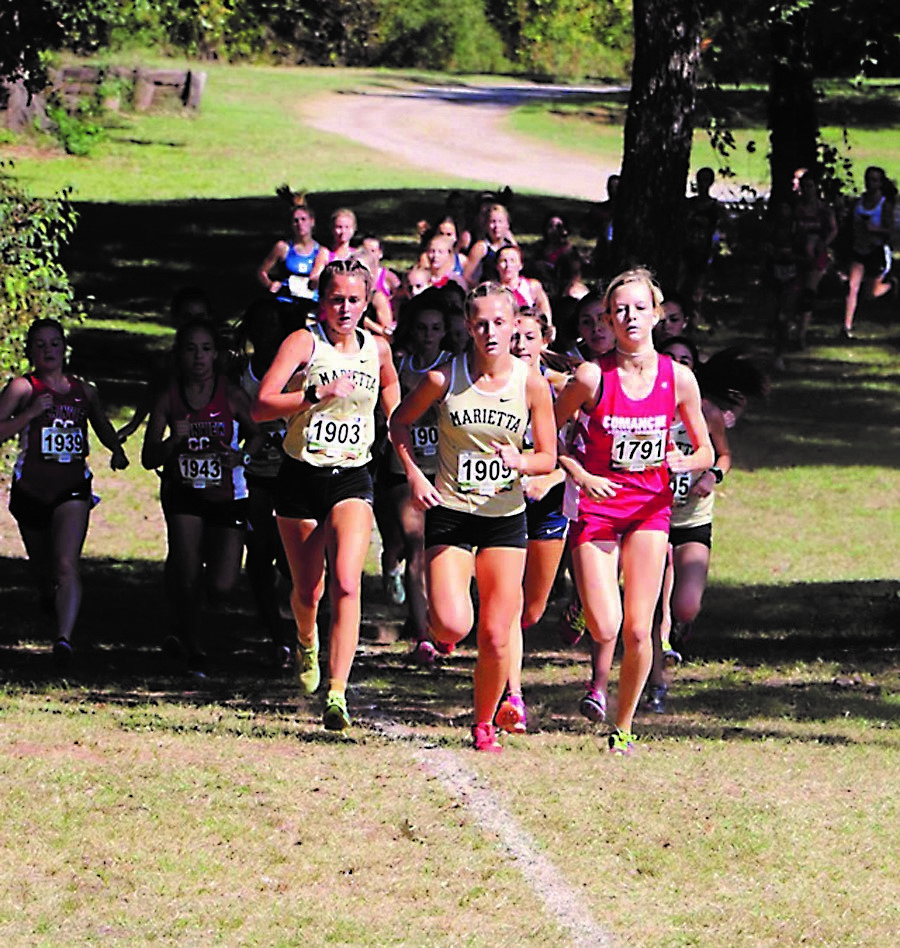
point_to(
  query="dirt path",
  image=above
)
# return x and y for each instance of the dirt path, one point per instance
(459, 131)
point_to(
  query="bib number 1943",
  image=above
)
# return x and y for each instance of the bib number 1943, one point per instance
(200, 470)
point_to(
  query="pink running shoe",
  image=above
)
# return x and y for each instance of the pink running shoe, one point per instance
(593, 706)
(424, 653)
(511, 715)
(484, 737)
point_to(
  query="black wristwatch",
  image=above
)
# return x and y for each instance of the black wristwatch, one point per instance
(311, 395)
(718, 474)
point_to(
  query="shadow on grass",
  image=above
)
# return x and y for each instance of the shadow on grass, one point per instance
(851, 626)
(130, 259)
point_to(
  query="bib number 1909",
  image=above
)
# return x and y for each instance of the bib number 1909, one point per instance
(483, 474)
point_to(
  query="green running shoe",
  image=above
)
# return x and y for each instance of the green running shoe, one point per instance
(308, 666)
(621, 743)
(336, 717)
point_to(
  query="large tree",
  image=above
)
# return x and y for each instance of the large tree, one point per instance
(791, 45)
(658, 135)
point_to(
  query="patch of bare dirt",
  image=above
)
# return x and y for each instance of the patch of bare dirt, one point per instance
(461, 135)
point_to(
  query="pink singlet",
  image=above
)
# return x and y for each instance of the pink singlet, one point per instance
(625, 440)
(523, 293)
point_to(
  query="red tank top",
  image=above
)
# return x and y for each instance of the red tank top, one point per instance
(626, 439)
(199, 461)
(54, 446)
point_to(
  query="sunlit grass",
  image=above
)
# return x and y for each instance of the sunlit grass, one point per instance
(761, 810)
(247, 138)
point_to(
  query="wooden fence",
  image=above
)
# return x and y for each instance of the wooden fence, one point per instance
(113, 87)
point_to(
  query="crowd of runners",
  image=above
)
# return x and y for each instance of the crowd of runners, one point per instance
(503, 414)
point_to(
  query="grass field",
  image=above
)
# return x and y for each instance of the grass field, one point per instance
(761, 810)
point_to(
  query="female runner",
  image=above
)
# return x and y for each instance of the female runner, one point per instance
(261, 331)
(292, 260)
(443, 263)
(475, 509)
(203, 489)
(545, 522)
(343, 228)
(425, 325)
(326, 381)
(526, 291)
(620, 460)
(481, 263)
(873, 224)
(690, 530)
(50, 497)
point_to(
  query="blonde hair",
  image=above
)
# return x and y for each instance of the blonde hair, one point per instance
(440, 240)
(354, 265)
(344, 212)
(487, 289)
(637, 275)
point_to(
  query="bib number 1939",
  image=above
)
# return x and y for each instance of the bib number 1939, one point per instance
(62, 444)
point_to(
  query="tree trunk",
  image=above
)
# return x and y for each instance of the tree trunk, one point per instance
(793, 122)
(658, 136)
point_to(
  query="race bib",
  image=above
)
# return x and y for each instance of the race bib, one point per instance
(299, 286)
(62, 444)
(338, 438)
(200, 470)
(682, 482)
(424, 439)
(484, 474)
(681, 487)
(634, 451)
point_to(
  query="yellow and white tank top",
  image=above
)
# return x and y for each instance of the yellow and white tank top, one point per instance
(338, 432)
(424, 433)
(470, 475)
(688, 510)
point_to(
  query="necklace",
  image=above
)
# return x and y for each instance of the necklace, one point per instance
(635, 356)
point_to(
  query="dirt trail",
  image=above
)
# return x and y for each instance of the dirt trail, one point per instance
(458, 131)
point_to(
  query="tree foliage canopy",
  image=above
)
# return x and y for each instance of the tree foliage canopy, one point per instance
(33, 283)
(566, 38)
